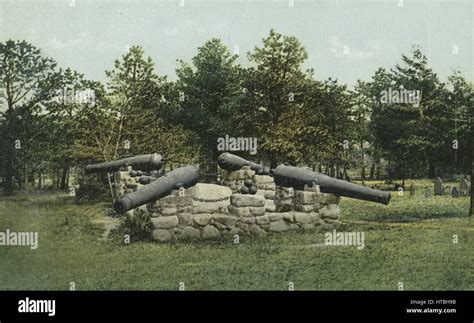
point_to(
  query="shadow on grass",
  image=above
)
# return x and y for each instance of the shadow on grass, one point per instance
(411, 217)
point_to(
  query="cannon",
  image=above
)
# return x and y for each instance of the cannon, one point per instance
(186, 176)
(142, 162)
(297, 177)
(232, 162)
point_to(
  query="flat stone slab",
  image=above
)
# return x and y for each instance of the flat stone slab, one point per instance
(241, 200)
(203, 191)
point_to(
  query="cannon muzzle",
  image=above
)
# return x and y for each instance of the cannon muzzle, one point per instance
(181, 177)
(298, 177)
(141, 162)
(232, 162)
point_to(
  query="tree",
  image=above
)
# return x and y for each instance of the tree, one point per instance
(360, 117)
(274, 94)
(409, 134)
(209, 91)
(26, 79)
(126, 120)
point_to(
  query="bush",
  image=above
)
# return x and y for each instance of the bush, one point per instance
(92, 187)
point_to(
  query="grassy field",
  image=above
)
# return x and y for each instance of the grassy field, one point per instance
(409, 241)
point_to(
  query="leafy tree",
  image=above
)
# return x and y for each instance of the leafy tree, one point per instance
(209, 91)
(26, 79)
(275, 87)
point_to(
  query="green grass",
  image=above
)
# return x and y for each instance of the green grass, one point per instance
(409, 241)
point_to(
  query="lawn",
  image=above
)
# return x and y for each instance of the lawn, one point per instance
(408, 241)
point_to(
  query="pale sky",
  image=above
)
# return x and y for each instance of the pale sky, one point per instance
(89, 35)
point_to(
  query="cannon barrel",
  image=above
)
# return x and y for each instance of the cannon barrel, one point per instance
(142, 162)
(298, 177)
(232, 162)
(181, 177)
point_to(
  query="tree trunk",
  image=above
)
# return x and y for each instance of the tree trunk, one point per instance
(403, 177)
(40, 181)
(372, 171)
(112, 193)
(8, 185)
(377, 169)
(346, 175)
(63, 184)
(25, 179)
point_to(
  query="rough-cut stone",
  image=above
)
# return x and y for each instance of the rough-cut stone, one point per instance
(234, 231)
(235, 175)
(314, 216)
(269, 195)
(331, 211)
(308, 226)
(185, 219)
(165, 222)
(294, 226)
(263, 179)
(219, 226)
(174, 200)
(256, 230)
(275, 216)
(264, 226)
(210, 232)
(288, 216)
(202, 219)
(249, 220)
(228, 220)
(244, 227)
(305, 207)
(304, 197)
(257, 211)
(310, 197)
(185, 209)
(270, 206)
(239, 211)
(279, 226)
(301, 217)
(262, 219)
(242, 200)
(249, 173)
(168, 211)
(205, 207)
(162, 235)
(123, 175)
(189, 233)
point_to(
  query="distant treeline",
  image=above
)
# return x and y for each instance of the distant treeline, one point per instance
(53, 119)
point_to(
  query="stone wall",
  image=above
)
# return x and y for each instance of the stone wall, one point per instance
(210, 211)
